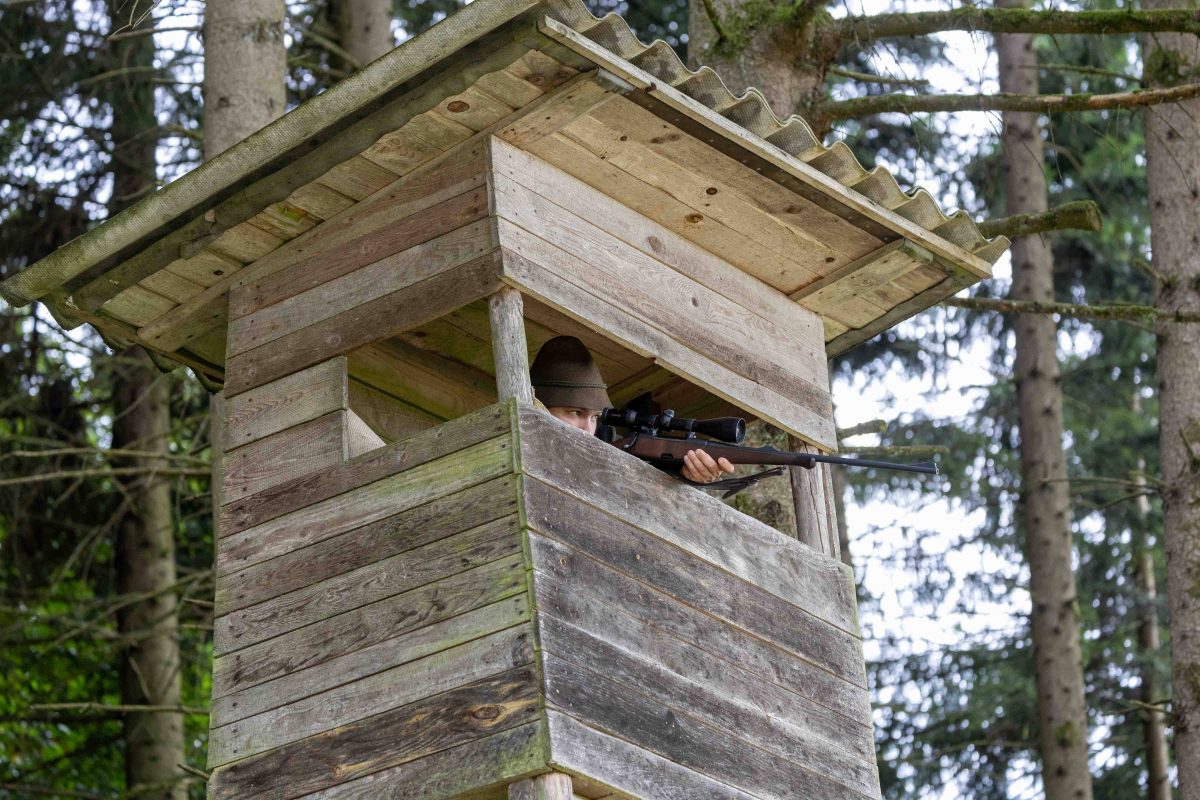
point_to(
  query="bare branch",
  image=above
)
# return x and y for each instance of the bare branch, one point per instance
(1103, 311)
(1014, 20)
(870, 426)
(1081, 215)
(104, 708)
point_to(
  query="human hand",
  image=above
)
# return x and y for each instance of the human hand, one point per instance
(699, 467)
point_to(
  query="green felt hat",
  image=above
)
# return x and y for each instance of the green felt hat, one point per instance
(564, 374)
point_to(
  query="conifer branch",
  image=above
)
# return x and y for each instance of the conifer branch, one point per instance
(1101, 311)
(1045, 103)
(1014, 20)
(1080, 215)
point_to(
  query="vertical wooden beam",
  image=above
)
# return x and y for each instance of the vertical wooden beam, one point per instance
(551, 786)
(811, 500)
(509, 348)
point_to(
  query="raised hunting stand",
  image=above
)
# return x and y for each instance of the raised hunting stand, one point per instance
(426, 587)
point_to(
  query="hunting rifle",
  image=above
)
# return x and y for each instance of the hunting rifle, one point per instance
(645, 441)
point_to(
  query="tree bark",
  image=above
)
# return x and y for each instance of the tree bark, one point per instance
(1045, 509)
(364, 30)
(1173, 179)
(244, 63)
(145, 556)
(145, 546)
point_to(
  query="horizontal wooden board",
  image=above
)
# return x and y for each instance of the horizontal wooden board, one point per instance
(609, 588)
(692, 581)
(384, 740)
(395, 269)
(437, 385)
(413, 451)
(715, 707)
(425, 677)
(727, 673)
(390, 417)
(300, 450)
(372, 502)
(478, 770)
(358, 629)
(372, 321)
(367, 584)
(560, 290)
(675, 512)
(630, 770)
(392, 652)
(699, 318)
(402, 531)
(681, 737)
(289, 401)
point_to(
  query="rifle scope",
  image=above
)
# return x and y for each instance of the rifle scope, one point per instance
(725, 429)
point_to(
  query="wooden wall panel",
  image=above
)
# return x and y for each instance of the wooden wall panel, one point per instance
(291, 400)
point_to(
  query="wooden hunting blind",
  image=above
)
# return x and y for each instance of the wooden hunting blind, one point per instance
(426, 587)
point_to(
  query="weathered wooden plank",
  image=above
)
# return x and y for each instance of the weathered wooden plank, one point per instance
(473, 108)
(508, 88)
(716, 707)
(170, 285)
(204, 268)
(432, 638)
(138, 305)
(385, 740)
(631, 770)
(393, 271)
(372, 321)
(439, 130)
(664, 245)
(320, 201)
(645, 722)
(400, 151)
(357, 178)
(930, 297)
(581, 94)
(285, 403)
(810, 501)
(437, 386)
(692, 630)
(285, 220)
(360, 438)
(284, 456)
(366, 584)
(552, 786)
(390, 417)
(677, 306)
(675, 512)
(473, 771)
(699, 584)
(367, 504)
(463, 664)
(509, 347)
(403, 530)
(413, 451)
(368, 625)
(534, 277)
(541, 70)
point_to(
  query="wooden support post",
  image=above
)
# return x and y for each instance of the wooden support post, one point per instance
(812, 501)
(551, 786)
(509, 348)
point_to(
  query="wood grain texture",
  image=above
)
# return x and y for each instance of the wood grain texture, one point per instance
(413, 451)
(392, 652)
(509, 347)
(716, 707)
(376, 694)
(394, 269)
(732, 672)
(372, 321)
(281, 457)
(477, 770)
(551, 786)
(372, 502)
(368, 625)
(289, 401)
(774, 355)
(424, 379)
(366, 584)
(702, 526)
(631, 770)
(384, 740)
(670, 617)
(645, 722)
(701, 585)
(537, 276)
(402, 531)
(390, 417)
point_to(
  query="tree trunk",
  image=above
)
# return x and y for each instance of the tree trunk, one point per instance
(364, 30)
(146, 569)
(145, 547)
(1173, 178)
(1045, 504)
(244, 63)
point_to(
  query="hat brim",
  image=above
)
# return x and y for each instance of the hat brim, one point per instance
(573, 397)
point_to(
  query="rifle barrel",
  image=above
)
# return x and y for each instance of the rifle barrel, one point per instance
(926, 469)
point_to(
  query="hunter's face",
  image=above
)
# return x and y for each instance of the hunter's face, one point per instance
(586, 419)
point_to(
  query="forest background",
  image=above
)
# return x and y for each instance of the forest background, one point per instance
(100, 102)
